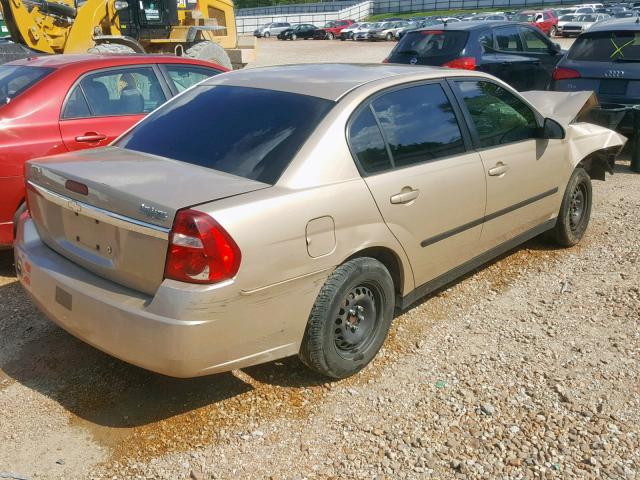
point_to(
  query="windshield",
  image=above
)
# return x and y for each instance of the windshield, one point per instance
(566, 18)
(249, 132)
(16, 79)
(623, 46)
(431, 43)
(329, 24)
(585, 18)
(524, 17)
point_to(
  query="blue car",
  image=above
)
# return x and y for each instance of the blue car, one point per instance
(606, 60)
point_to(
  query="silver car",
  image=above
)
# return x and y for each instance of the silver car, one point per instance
(269, 29)
(364, 32)
(387, 31)
(581, 23)
(263, 213)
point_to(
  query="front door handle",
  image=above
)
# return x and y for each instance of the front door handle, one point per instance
(499, 170)
(407, 195)
(90, 137)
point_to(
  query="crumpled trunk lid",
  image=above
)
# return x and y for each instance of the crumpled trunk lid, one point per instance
(118, 228)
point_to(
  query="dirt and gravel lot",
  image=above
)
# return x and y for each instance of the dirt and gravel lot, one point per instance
(528, 368)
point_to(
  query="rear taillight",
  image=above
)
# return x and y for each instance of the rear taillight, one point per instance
(465, 63)
(386, 60)
(200, 250)
(560, 73)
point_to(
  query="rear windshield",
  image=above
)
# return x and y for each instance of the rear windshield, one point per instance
(432, 43)
(623, 46)
(248, 132)
(16, 79)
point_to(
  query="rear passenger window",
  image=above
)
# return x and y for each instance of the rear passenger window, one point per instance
(128, 91)
(508, 39)
(486, 40)
(419, 124)
(367, 143)
(499, 117)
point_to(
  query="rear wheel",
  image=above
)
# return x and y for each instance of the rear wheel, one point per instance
(575, 210)
(294, 36)
(553, 32)
(329, 36)
(389, 37)
(209, 51)
(266, 34)
(111, 48)
(350, 319)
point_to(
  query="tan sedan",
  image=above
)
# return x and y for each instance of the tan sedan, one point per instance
(269, 212)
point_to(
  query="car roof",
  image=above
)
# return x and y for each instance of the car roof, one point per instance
(310, 79)
(628, 23)
(92, 61)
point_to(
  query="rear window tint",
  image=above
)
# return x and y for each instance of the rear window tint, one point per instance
(623, 46)
(249, 132)
(16, 79)
(432, 43)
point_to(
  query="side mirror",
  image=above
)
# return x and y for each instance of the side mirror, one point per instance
(551, 130)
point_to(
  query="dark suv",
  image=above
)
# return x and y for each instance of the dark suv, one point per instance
(519, 54)
(606, 60)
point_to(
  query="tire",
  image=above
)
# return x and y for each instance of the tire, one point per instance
(266, 35)
(339, 341)
(329, 36)
(209, 51)
(16, 217)
(553, 32)
(389, 37)
(293, 36)
(111, 48)
(575, 210)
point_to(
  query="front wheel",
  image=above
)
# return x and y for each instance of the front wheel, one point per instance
(329, 36)
(266, 35)
(294, 36)
(575, 210)
(350, 319)
(553, 32)
(209, 51)
(389, 37)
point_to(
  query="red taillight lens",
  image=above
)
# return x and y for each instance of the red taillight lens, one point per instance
(465, 63)
(386, 60)
(560, 73)
(431, 32)
(200, 250)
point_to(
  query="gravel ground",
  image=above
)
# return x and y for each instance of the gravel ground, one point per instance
(528, 368)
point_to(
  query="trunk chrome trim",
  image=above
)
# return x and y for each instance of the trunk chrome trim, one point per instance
(102, 215)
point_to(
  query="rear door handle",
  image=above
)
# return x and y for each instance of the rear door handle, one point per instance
(405, 196)
(499, 169)
(91, 137)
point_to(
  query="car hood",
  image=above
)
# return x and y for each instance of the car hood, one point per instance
(564, 107)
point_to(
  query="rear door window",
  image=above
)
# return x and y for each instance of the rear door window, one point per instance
(499, 117)
(619, 47)
(419, 124)
(127, 91)
(249, 132)
(508, 39)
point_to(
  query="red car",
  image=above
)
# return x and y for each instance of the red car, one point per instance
(58, 103)
(332, 29)
(545, 20)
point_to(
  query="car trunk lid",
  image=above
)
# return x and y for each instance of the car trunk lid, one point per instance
(110, 210)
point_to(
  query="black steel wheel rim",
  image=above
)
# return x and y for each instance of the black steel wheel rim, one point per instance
(577, 207)
(357, 320)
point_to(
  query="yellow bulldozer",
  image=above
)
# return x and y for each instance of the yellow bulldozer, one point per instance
(202, 29)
